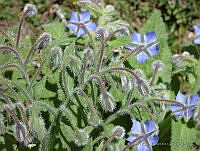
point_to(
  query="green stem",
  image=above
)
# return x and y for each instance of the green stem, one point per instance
(154, 76)
(65, 85)
(108, 142)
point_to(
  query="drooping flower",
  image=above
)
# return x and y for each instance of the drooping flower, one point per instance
(79, 23)
(148, 41)
(197, 33)
(189, 104)
(148, 133)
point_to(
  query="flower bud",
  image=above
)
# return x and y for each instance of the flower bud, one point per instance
(185, 53)
(126, 84)
(142, 85)
(107, 102)
(56, 58)
(30, 10)
(119, 132)
(89, 56)
(2, 127)
(157, 65)
(81, 137)
(93, 119)
(101, 31)
(43, 41)
(20, 132)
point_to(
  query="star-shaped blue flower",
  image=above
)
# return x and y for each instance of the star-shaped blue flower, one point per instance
(188, 107)
(197, 32)
(148, 130)
(82, 19)
(147, 40)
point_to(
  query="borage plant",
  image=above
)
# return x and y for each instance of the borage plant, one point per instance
(79, 85)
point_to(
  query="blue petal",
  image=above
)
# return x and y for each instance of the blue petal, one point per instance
(174, 108)
(150, 37)
(141, 57)
(85, 16)
(72, 27)
(196, 29)
(153, 50)
(74, 17)
(136, 128)
(143, 147)
(131, 138)
(197, 40)
(191, 111)
(193, 100)
(153, 139)
(81, 32)
(181, 98)
(91, 26)
(179, 114)
(129, 47)
(150, 126)
(136, 38)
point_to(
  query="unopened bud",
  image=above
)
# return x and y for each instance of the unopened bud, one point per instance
(101, 31)
(126, 84)
(20, 132)
(30, 10)
(142, 85)
(81, 137)
(93, 119)
(56, 58)
(157, 65)
(119, 132)
(185, 53)
(89, 56)
(107, 102)
(2, 127)
(43, 41)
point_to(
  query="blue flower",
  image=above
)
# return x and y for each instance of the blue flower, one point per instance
(77, 21)
(197, 32)
(148, 133)
(148, 41)
(188, 105)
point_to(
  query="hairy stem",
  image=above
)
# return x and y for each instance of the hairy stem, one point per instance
(154, 75)
(131, 53)
(113, 33)
(169, 101)
(101, 51)
(122, 69)
(108, 141)
(24, 15)
(18, 55)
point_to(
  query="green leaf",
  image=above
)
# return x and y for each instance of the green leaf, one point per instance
(57, 30)
(183, 137)
(38, 124)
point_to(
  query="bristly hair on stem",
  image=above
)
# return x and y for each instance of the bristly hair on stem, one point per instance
(18, 55)
(101, 50)
(29, 10)
(113, 33)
